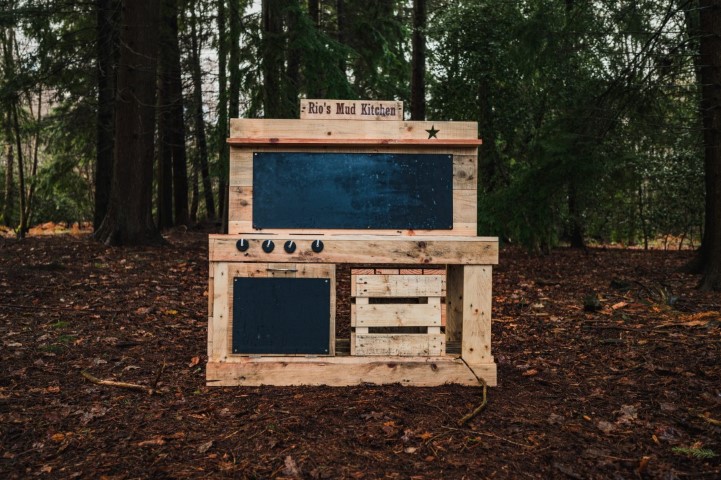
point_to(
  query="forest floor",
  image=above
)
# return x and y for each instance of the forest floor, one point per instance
(632, 390)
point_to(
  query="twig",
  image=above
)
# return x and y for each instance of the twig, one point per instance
(157, 378)
(113, 383)
(467, 418)
(491, 435)
(59, 309)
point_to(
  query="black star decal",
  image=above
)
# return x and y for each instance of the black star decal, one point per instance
(432, 132)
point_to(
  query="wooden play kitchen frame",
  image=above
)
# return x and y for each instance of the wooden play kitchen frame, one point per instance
(390, 342)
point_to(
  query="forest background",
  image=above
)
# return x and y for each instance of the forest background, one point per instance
(596, 116)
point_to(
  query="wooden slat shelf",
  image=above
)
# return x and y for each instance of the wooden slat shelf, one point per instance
(349, 142)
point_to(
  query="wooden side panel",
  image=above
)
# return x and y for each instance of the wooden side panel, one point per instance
(465, 172)
(396, 315)
(349, 129)
(476, 341)
(398, 285)
(347, 371)
(241, 167)
(218, 331)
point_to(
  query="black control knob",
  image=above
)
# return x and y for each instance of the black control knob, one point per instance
(289, 246)
(268, 246)
(242, 245)
(317, 246)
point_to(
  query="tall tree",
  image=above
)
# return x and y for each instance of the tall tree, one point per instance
(171, 127)
(106, 49)
(418, 75)
(129, 219)
(710, 71)
(8, 191)
(272, 58)
(198, 118)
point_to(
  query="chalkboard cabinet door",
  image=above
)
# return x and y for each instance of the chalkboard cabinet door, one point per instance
(282, 309)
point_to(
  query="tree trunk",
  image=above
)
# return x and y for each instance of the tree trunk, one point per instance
(106, 58)
(342, 26)
(199, 121)
(272, 58)
(171, 162)
(9, 199)
(177, 125)
(223, 152)
(129, 220)
(418, 75)
(314, 12)
(34, 168)
(22, 229)
(292, 91)
(710, 69)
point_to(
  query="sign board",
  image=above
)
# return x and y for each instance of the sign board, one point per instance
(350, 110)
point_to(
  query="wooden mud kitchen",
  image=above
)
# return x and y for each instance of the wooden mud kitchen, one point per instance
(351, 182)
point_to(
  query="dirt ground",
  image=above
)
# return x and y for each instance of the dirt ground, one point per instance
(632, 390)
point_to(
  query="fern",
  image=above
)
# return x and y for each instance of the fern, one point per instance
(696, 452)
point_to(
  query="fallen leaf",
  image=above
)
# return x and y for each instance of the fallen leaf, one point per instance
(618, 305)
(157, 441)
(291, 469)
(170, 312)
(410, 450)
(58, 437)
(530, 373)
(606, 427)
(425, 435)
(194, 361)
(53, 389)
(205, 447)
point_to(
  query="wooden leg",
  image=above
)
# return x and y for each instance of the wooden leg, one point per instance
(476, 340)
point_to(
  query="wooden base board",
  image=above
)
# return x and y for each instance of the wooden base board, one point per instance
(347, 371)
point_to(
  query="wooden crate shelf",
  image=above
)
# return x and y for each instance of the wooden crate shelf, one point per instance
(397, 314)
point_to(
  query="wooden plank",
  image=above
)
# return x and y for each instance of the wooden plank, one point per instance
(454, 303)
(437, 250)
(240, 204)
(476, 338)
(400, 344)
(386, 271)
(395, 315)
(459, 229)
(465, 172)
(331, 130)
(350, 109)
(465, 206)
(374, 148)
(218, 333)
(397, 285)
(347, 371)
(351, 142)
(411, 271)
(241, 168)
(362, 271)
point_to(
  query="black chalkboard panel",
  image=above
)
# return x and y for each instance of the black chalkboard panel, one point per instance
(352, 191)
(281, 315)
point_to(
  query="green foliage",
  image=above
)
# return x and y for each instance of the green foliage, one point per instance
(696, 452)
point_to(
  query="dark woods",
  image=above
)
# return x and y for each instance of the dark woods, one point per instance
(599, 125)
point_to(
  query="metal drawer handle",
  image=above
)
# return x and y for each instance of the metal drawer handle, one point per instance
(281, 269)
